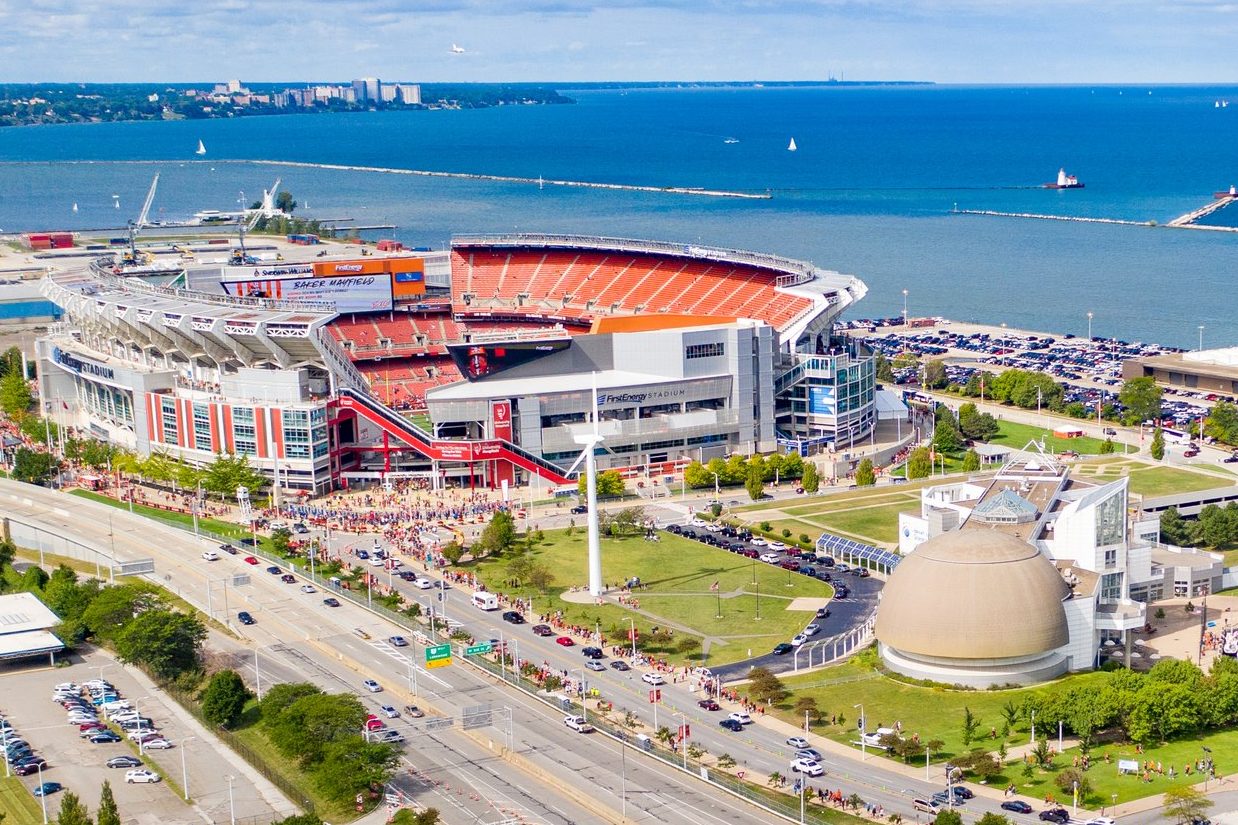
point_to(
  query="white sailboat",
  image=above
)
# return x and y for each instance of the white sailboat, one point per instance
(791, 146)
(201, 148)
(75, 206)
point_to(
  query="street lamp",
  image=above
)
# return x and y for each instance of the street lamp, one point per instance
(231, 805)
(42, 796)
(632, 624)
(683, 739)
(184, 770)
(1089, 325)
(863, 730)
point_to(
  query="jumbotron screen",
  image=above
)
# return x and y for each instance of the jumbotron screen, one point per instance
(477, 360)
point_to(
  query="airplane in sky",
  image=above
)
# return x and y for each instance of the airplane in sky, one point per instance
(456, 49)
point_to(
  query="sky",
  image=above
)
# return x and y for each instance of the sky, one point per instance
(946, 41)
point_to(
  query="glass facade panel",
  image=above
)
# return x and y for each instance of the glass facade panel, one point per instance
(167, 406)
(1110, 521)
(244, 436)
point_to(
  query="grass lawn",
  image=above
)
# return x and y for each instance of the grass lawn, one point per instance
(877, 523)
(886, 496)
(228, 529)
(19, 807)
(677, 574)
(933, 713)
(1015, 435)
(1163, 481)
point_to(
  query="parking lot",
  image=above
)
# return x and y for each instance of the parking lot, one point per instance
(80, 766)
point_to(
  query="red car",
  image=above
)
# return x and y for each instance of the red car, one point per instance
(709, 704)
(250, 560)
(565, 641)
(91, 726)
(374, 724)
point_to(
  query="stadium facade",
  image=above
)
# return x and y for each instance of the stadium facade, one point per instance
(482, 377)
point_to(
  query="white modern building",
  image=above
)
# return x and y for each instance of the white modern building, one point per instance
(1030, 573)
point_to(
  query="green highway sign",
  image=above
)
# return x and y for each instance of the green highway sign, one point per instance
(437, 653)
(473, 650)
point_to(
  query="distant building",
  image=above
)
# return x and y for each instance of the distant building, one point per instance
(1210, 370)
(388, 93)
(367, 89)
(234, 87)
(410, 94)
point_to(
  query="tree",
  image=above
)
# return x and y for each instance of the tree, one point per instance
(1222, 423)
(946, 437)
(806, 708)
(764, 686)
(541, 576)
(610, 484)
(306, 726)
(1107, 446)
(885, 369)
(167, 642)
(971, 725)
(935, 374)
(975, 424)
(224, 475)
(350, 765)
(15, 396)
(72, 811)
(991, 818)
(793, 466)
(971, 461)
(224, 698)
(811, 480)
(8, 552)
(281, 540)
(115, 606)
(1216, 526)
(1157, 447)
(948, 817)
(284, 202)
(108, 813)
(1142, 399)
(754, 483)
(864, 474)
(452, 551)
(1185, 803)
(1072, 778)
(34, 467)
(279, 696)
(1174, 529)
(497, 538)
(919, 463)
(696, 476)
(305, 819)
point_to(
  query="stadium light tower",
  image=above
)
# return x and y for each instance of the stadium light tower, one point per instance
(590, 442)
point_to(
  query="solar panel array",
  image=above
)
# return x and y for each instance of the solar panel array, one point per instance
(835, 545)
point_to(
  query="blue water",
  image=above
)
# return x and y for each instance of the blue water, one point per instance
(869, 191)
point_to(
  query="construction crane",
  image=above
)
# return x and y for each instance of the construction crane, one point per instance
(135, 226)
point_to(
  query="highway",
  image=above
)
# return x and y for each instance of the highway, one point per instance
(578, 778)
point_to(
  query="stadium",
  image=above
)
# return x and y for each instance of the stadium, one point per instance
(473, 366)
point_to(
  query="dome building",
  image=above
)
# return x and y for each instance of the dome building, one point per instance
(975, 607)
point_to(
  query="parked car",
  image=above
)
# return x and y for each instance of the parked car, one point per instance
(288, 578)
(928, 806)
(807, 767)
(653, 679)
(27, 768)
(709, 704)
(308, 588)
(125, 761)
(141, 775)
(47, 789)
(274, 570)
(543, 630)
(105, 737)
(513, 617)
(210, 555)
(157, 744)
(595, 666)
(620, 665)
(782, 648)
(740, 716)
(1017, 806)
(590, 652)
(578, 724)
(251, 560)
(228, 548)
(565, 641)
(1058, 816)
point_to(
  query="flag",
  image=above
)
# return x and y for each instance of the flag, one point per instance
(713, 588)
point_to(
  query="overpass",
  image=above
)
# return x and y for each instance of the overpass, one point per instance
(1190, 504)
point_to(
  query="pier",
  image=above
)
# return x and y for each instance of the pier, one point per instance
(626, 187)
(1037, 216)
(1202, 212)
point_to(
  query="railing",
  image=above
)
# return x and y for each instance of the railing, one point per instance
(334, 353)
(132, 285)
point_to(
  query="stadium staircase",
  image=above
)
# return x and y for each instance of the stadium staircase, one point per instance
(409, 433)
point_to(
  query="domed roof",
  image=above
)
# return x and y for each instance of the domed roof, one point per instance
(974, 594)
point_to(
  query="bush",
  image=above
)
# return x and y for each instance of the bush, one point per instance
(786, 533)
(804, 539)
(765, 526)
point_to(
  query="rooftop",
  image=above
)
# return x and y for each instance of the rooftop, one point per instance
(23, 612)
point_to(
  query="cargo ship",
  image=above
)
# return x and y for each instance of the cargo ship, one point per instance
(1064, 181)
(1232, 193)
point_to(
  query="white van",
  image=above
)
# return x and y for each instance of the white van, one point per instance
(485, 601)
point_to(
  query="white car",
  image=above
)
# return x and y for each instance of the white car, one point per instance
(142, 775)
(375, 561)
(389, 711)
(807, 766)
(812, 630)
(758, 542)
(696, 522)
(578, 724)
(653, 679)
(799, 640)
(372, 686)
(308, 588)
(777, 545)
(159, 744)
(797, 742)
(769, 558)
(423, 584)
(740, 716)
(1101, 820)
(210, 555)
(66, 687)
(713, 527)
